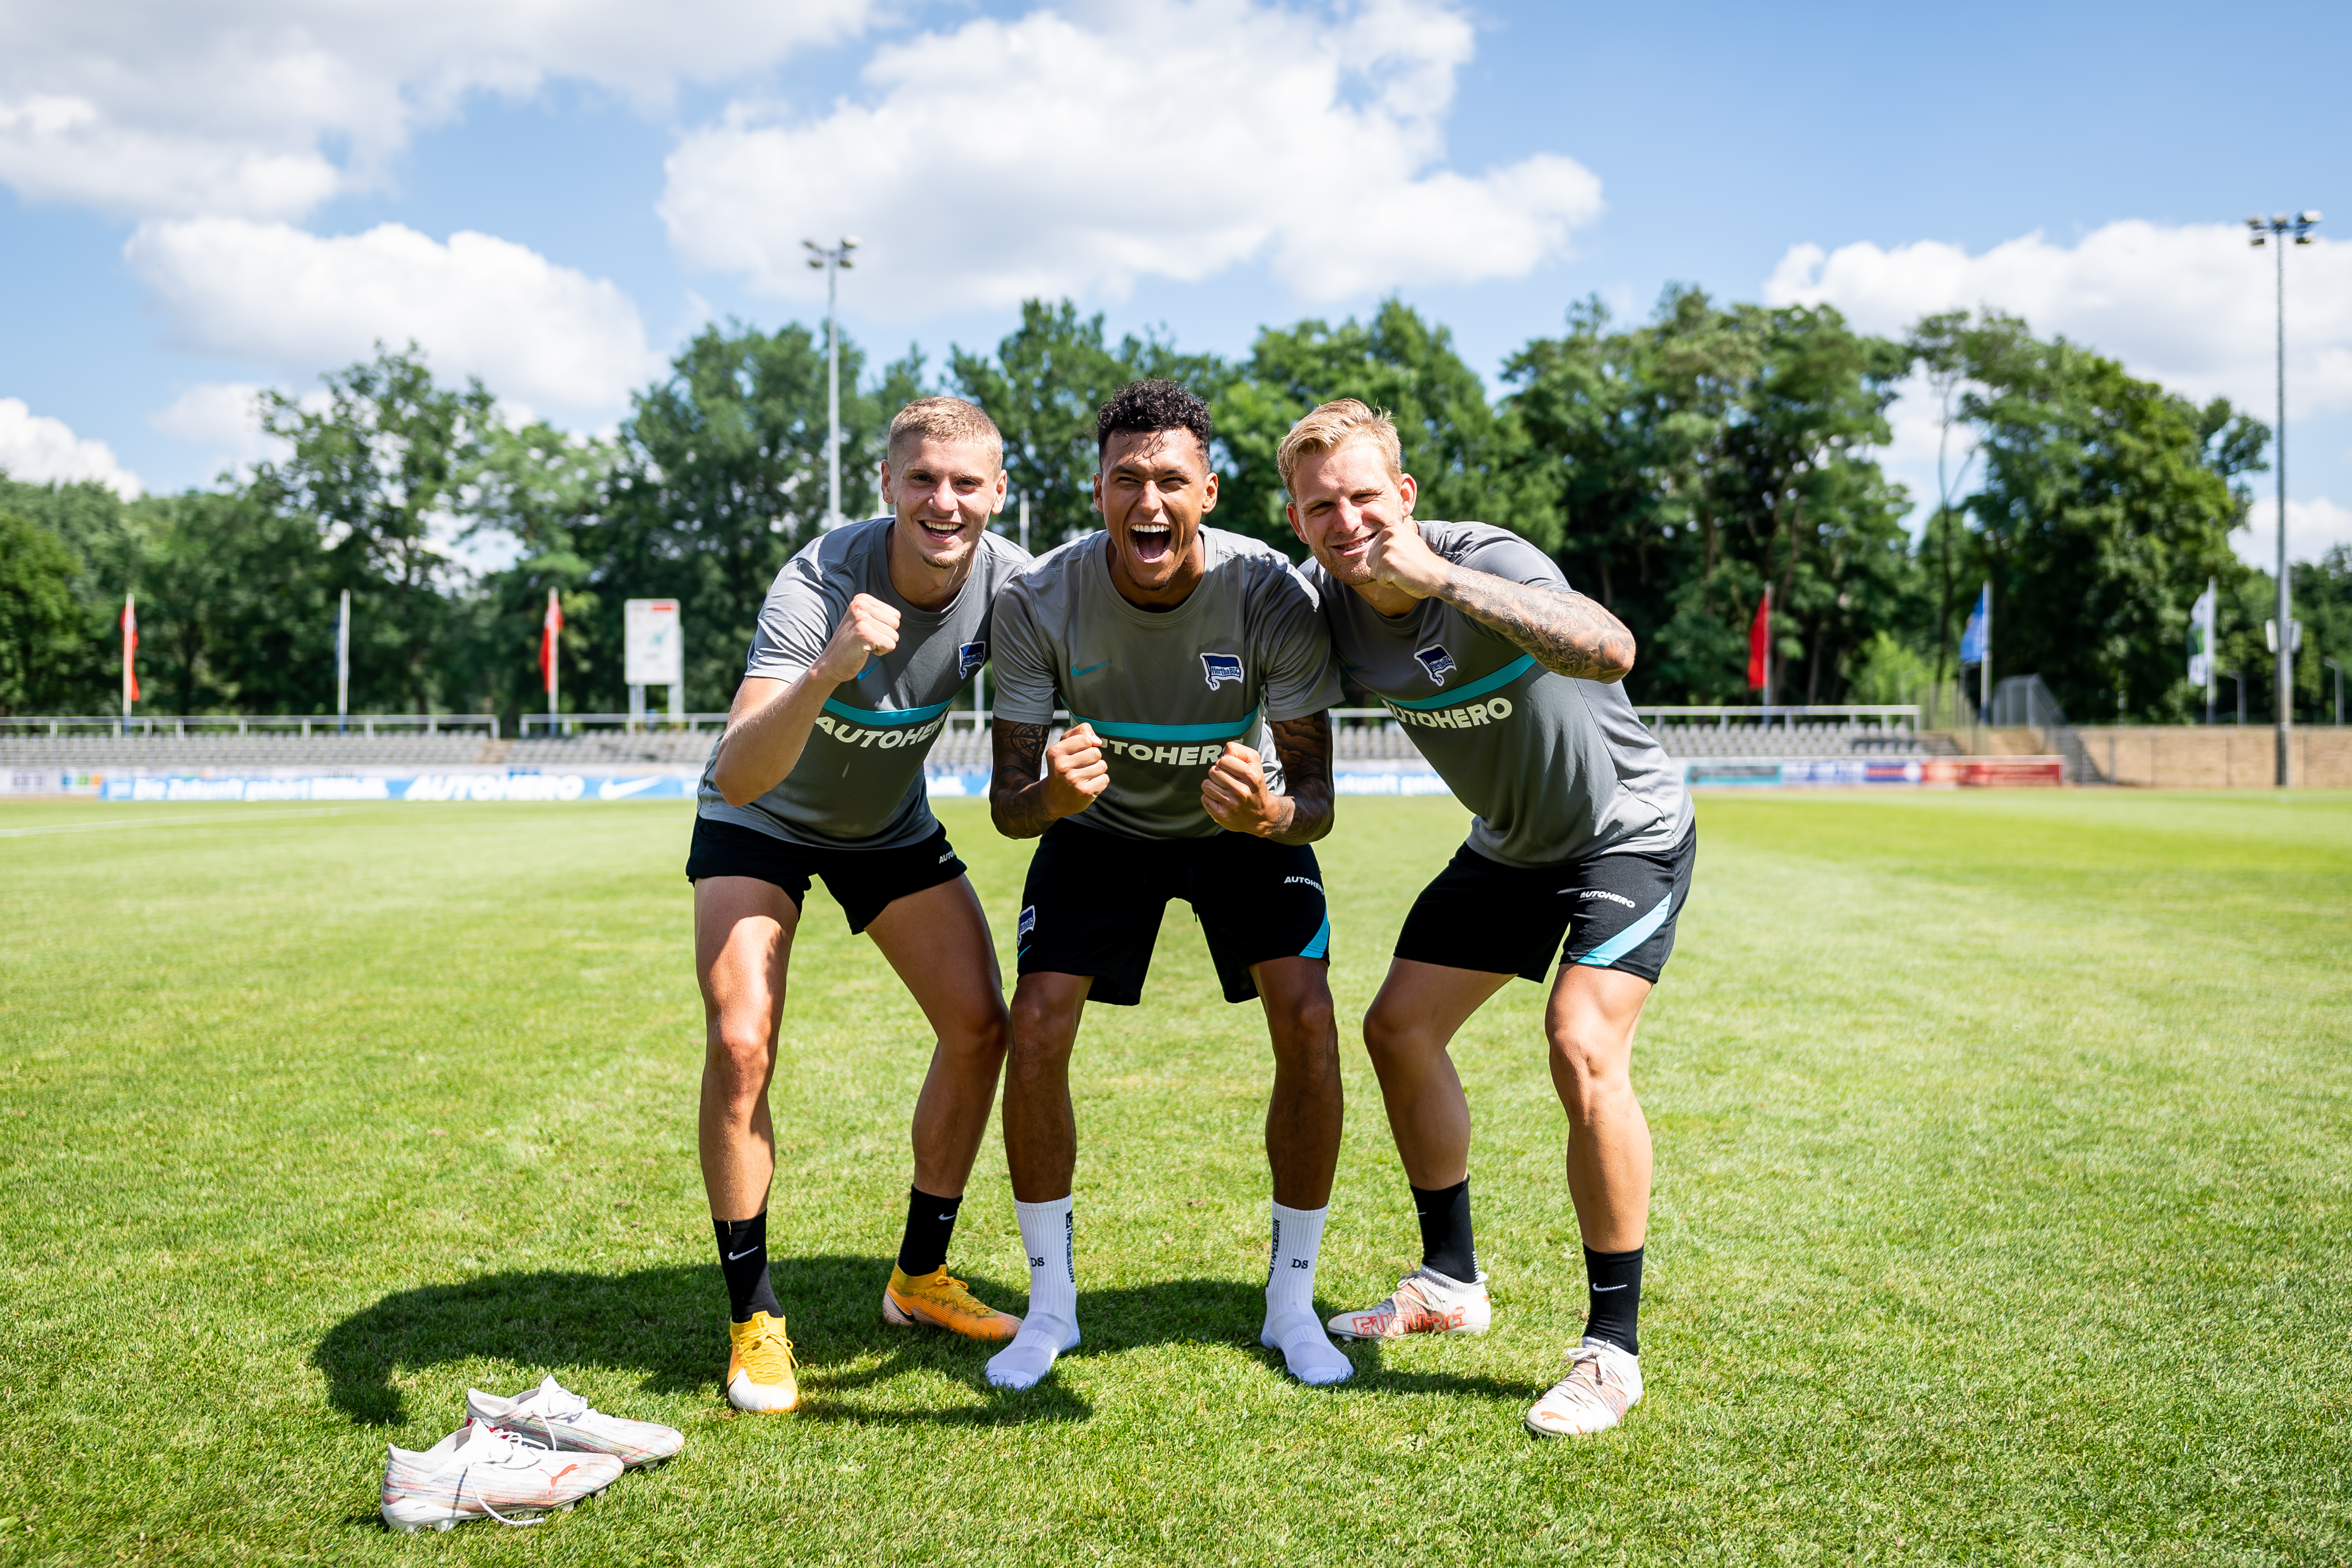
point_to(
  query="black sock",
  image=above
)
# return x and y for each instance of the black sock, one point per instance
(1445, 1246)
(744, 1259)
(1613, 1294)
(931, 1222)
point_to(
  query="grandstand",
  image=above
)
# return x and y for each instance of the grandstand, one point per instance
(608, 742)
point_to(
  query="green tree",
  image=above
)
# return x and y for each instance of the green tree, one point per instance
(2106, 504)
(236, 611)
(1048, 377)
(720, 477)
(39, 620)
(110, 547)
(381, 471)
(1471, 461)
(542, 492)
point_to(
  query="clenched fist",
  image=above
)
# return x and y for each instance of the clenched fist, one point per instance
(1236, 798)
(868, 627)
(1075, 772)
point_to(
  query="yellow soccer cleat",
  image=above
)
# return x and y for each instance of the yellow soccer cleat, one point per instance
(943, 1303)
(760, 1374)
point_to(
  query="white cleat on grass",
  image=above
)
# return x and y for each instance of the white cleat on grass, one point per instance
(1424, 1302)
(553, 1415)
(480, 1473)
(1601, 1385)
(1030, 1356)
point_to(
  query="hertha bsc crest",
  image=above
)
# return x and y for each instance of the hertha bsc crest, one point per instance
(1436, 660)
(1218, 668)
(970, 657)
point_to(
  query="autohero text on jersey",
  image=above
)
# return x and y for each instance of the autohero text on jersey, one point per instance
(885, 738)
(1178, 756)
(1464, 716)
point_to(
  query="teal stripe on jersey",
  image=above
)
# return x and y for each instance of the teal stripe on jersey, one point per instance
(1632, 937)
(887, 714)
(1477, 688)
(1169, 731)
(1322, 943)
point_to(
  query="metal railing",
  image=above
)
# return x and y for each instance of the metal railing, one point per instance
(547, 725)
(182, 725)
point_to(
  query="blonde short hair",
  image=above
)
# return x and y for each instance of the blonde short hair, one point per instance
(945, 419)
(1334, 425)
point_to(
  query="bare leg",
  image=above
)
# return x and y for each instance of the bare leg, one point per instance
(1407, 1032)
(742, 941)
(1590, 1023)
(1302, 1116)
(938, 942)
(1041, 1129)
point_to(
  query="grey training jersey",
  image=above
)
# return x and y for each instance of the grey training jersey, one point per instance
(1164, 689)
(1556, 770)
(859, 781)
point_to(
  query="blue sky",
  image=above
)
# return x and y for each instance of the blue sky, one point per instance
(248, 196)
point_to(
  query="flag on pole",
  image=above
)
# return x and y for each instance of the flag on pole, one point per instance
(343, 656)
(129, 651)
(1974, 636)
(2201, 636)
(1760, 644)
(550, 636)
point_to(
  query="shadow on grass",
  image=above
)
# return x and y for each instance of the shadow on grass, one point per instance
(663, 1325)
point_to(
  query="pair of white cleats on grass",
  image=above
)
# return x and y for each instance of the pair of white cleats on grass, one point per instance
(516, 1460)
(1604, 1381)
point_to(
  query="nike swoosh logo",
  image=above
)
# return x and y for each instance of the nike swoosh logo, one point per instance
(1600, 1287)
(1090, 669)
(947, 1217)
(734, 1257)
(621, 788)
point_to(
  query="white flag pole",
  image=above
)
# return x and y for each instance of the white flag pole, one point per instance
(343, 664)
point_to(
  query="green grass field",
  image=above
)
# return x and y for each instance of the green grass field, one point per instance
(2004, 1207)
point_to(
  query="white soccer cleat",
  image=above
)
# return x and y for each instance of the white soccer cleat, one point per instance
(480, 1473)
(1424, 1302)
(553, 1415)
(1601, 1385)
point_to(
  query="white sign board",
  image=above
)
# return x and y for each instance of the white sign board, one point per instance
(656, 654)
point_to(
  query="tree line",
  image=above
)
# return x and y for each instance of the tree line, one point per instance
(1676, 467)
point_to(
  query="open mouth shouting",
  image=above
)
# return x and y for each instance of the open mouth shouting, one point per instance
(1151, 542)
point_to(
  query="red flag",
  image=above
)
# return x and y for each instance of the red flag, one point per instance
(1760, 644)
(551, 632)
(130, 651)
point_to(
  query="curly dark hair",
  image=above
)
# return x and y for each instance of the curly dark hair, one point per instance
(1144, 406)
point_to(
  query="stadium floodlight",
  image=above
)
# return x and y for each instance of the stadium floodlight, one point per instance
(835, 259)
(2281, 227)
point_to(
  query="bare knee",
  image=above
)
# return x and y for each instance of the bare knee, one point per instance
(979, 1042)
(1590, 1072)
(739, 1058)
(1393, 1040)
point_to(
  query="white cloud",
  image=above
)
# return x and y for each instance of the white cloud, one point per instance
(2188, 306)
(224, 418)
(2313, 526)
(264, 108)
(40, 450)
(1077, 153)
(269, 295)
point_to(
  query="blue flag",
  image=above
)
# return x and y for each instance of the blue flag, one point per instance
(1974, 636)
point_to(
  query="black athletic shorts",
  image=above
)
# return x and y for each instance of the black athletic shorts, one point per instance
(1093, 901)
(865, 882)
(1613, 912)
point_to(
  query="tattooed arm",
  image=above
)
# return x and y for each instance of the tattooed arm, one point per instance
(1568, 633)
(1235, 796)
(1036, 785)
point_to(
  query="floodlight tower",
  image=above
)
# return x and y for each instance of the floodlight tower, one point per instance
(834, 260)
(2278, 226)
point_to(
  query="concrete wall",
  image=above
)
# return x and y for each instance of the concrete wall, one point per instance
(2221, 757)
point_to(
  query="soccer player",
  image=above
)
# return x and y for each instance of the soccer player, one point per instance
(1582, 843)
(865, 637)
(1175, 648)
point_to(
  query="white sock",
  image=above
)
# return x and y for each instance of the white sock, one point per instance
(1050, 1326)
(1291, 1325)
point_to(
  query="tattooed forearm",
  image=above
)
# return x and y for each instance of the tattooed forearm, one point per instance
(1305, 747)
(1016, 792)
(1568, 633)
